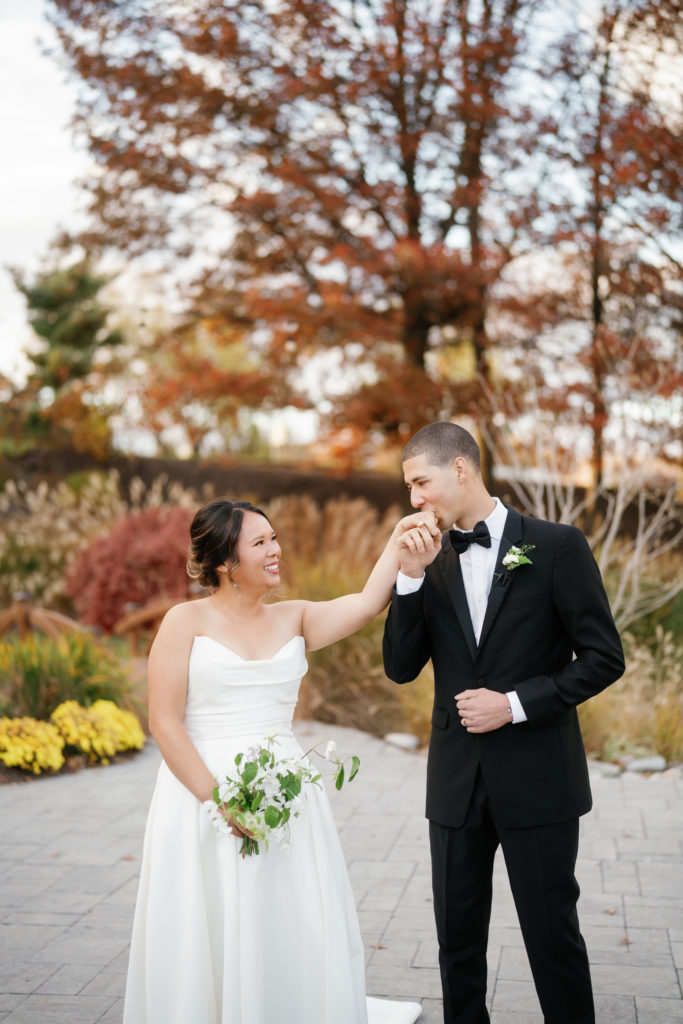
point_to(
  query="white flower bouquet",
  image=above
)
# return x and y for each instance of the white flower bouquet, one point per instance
(265, 792)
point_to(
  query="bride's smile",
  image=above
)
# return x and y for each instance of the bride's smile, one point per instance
(257, 552)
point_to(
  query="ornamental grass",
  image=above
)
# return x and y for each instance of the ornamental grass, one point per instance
(642, 713)
(326, 552)
(329, 551)
(45, 527)
(37, 673)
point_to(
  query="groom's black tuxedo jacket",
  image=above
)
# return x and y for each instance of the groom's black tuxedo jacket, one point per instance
(548, 633)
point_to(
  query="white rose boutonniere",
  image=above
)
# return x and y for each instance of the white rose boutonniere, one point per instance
(513, 558)
(516, 556)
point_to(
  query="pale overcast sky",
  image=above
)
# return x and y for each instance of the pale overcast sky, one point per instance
(39, 161)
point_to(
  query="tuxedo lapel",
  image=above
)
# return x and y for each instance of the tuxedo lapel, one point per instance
(502, 581)
(449, 564)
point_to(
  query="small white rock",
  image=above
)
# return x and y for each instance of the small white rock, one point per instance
(657, 763)
(405, 740)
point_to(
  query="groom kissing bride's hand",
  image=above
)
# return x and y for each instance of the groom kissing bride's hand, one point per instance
(512, 613)
(480, 710)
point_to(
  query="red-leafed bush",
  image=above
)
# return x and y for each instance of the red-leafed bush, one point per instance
(143, 556)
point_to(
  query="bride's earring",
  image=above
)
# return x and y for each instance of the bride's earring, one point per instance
(229, 571)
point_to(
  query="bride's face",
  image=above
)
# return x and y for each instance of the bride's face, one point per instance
(258, 553)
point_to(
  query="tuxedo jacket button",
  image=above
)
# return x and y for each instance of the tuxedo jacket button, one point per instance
(481, 681)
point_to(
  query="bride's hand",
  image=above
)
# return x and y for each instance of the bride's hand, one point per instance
(425, 521)
(419, 544)
(235, 828)
(238, 831)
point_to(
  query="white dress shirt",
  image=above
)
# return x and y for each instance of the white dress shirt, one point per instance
(477, 564)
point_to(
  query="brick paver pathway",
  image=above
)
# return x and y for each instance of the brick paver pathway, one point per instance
(70, 850)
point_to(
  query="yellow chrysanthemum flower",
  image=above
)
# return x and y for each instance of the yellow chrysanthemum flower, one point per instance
(30, 745)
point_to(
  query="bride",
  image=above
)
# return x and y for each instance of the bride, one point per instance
(219, 938)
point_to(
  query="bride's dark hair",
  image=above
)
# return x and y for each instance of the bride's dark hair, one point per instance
(214, 533)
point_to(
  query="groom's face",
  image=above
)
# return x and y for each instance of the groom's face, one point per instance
(434, 488)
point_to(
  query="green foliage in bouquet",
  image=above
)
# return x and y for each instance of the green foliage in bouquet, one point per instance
(265, 792)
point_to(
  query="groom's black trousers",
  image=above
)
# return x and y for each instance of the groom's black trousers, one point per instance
(540, 863)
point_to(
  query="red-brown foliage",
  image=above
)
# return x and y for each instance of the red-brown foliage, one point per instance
(143, 556)
(388, 181)
(345, 156)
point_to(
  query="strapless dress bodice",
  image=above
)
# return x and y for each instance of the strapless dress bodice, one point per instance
(229, 695)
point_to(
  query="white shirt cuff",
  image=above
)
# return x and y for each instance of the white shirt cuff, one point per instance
(518, 714)
(408, 584)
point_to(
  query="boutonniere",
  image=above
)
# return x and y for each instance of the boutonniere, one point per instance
(513, 558)
(516, 556)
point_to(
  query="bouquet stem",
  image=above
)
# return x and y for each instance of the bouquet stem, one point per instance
(249, 846)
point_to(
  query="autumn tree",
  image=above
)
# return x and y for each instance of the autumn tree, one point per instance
(346, 172)
(199, 380)
(605, 320)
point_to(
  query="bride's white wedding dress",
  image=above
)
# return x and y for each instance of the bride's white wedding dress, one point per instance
(268, 939)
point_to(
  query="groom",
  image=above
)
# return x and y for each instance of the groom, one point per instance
(514, 616)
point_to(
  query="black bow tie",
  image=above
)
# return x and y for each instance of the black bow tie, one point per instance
(479, 535)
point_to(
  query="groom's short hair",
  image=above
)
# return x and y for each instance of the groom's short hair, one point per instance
(442, 442)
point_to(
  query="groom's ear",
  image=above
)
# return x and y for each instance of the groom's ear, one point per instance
(460, 468)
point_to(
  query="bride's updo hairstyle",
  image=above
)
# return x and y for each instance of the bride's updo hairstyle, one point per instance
(214, 534)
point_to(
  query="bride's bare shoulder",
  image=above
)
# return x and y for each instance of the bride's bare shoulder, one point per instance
(287, 611)
(186, 614)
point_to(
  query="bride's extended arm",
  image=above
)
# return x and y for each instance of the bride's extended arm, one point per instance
(324, 622)
(167, 678)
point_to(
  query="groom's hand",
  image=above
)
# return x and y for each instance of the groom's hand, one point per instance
(483, 710)
(419, 543)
